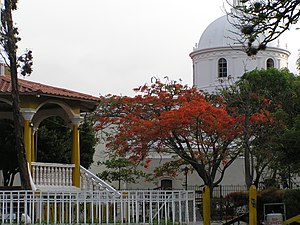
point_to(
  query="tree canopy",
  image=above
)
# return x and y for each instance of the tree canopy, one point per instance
(264, 21)
(275, 93)
(171, 118)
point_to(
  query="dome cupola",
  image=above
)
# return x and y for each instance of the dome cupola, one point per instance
(219, 57)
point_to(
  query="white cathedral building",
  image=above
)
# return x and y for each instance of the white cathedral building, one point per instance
(219, 56)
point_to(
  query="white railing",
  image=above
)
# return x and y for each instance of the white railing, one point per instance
(52, 174)
(91, 182)
(98, 207)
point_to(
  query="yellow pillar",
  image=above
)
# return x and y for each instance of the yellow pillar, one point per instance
(27, 114)
(27, 140)
(32, 146)
(76, 155)
(252, 205)
(206, 205)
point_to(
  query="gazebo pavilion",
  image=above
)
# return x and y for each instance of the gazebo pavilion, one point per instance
(38, 102)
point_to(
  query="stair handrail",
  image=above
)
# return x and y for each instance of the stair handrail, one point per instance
(33, 187)
(100, 183)
(291, 220)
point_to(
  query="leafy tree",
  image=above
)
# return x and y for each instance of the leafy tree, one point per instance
(271, 92)
(8, 159)
(88, 141)
(120, 169)
(9, 39)
(264, 21)
(170, 118)
(55, 141)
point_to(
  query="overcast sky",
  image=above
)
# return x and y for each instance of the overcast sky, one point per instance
(112, 46)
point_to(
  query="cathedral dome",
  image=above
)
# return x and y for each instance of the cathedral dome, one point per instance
(222, 33)
(219, 58)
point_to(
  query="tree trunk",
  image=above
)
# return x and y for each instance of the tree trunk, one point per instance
(247, 155)
(248, 177)
(11, 50)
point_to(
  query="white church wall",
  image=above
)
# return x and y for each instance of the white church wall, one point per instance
(234, 175)
(205, 64)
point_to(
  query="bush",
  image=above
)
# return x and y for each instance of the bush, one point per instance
(291, 198)
(270, 196)
(238, 198)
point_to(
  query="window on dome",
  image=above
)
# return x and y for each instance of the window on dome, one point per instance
(270, 63)
(222, 68)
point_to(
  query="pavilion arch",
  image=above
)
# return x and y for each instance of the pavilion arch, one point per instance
(39, 101)
(64, 111)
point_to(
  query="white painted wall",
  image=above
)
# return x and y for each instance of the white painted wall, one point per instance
(205, 64)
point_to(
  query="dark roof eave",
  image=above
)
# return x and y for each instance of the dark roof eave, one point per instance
(88, 101)
(39, 94)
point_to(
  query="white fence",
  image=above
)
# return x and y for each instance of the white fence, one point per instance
(97, 207)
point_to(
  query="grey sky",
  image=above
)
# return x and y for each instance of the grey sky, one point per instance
(111, 46)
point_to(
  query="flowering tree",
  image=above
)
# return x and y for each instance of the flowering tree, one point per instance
(170, 118)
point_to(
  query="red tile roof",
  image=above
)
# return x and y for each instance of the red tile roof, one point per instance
(29, 87)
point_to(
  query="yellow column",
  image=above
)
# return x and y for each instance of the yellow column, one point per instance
(76, 155)
(27, 140)
(252, 205)
(206, 205)
(32, 146)
(27, 114)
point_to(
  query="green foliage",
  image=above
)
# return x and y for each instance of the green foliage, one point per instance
(271, 83)
(275, 93)
(291, 198)
(267, 196)
(238, 198)
(120, 169)
(271, 195)
(290, 144)
(88, 142)
(8, 160)
(55, 142)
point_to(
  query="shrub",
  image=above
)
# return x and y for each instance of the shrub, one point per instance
(291, 198)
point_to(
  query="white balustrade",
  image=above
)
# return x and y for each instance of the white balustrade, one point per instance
(52, 174)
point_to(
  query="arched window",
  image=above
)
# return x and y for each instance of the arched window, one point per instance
(270, 63)
(222, 68)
